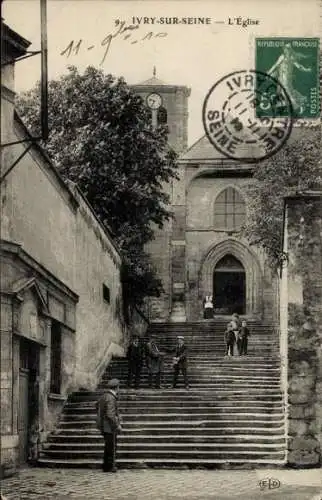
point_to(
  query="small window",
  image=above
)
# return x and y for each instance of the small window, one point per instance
(149, 116)
(55, 362)
(106, 294)
(162, 116)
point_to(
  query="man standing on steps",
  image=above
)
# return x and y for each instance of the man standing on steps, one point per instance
(109, 423)
(134, 356)
(154, 362)
(180, 362)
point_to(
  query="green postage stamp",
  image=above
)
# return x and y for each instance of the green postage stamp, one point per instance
(294, 63)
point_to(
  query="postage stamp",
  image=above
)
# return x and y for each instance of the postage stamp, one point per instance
(230, 121)
(294, 63)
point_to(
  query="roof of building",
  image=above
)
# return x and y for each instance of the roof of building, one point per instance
(153, 81)
(12, 44)
(203, 149)
(156, 83)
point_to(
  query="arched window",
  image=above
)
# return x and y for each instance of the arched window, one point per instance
(162, 116)
(230, 210)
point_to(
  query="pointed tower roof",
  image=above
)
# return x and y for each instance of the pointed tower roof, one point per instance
(157, 84)
(154, 80)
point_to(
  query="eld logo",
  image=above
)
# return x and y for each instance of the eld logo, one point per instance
(269, 483)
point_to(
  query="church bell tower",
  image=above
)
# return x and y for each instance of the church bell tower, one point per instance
(169, 106)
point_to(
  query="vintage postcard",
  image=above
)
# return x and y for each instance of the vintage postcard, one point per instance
(161, 251)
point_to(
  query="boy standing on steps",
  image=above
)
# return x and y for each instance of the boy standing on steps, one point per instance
(244, 333)
(230, 339)
(180, 362)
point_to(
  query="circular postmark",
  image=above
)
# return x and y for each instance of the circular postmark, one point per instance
(247, 115)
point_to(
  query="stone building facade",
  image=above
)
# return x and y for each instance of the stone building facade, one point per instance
(61, 299)
(200, 251)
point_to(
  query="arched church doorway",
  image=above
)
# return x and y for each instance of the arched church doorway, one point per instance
(229, 286)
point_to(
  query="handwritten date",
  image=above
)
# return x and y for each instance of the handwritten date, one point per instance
(122, 29)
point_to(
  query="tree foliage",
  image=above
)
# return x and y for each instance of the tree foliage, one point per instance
(296, 168)
(101, 139)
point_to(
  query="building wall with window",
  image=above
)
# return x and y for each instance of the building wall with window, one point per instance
(61, 304)
(99, 318)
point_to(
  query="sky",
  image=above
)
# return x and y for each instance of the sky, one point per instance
(194, 55)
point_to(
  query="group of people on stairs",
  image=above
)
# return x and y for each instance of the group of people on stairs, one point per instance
(109, 421)
(237, 333)
(154, 359)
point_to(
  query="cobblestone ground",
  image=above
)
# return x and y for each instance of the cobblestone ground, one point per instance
(167, 484)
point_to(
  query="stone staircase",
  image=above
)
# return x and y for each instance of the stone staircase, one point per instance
(233, 413)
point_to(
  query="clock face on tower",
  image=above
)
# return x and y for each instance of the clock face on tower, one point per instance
(154, 101)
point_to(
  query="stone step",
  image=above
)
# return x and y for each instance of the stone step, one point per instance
(232, 366)
(168, 394)
(216, 378)
(159, 454)
(172, 424)
(213, 338)
(205, 378)
(141, 404)
(218, 361)
(164, 462)
(155, 397)
(203, 375)
(205, 415)
(227, 363)
(205, 325)
(246, 419)
(184, 428)
(146, 400)
(177, 409)
(215, 385)
(173, 447)
(78, 438)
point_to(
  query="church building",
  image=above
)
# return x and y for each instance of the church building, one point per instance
(200, 252)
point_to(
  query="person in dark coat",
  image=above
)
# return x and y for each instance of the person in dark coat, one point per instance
(109, 423)
(135, 358)
(180, 362)
(244, 334)
(154, 363)
(230, 339)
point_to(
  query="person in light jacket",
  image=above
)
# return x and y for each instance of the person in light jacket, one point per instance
(244, 334)
(109, 423)
(208, 307)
